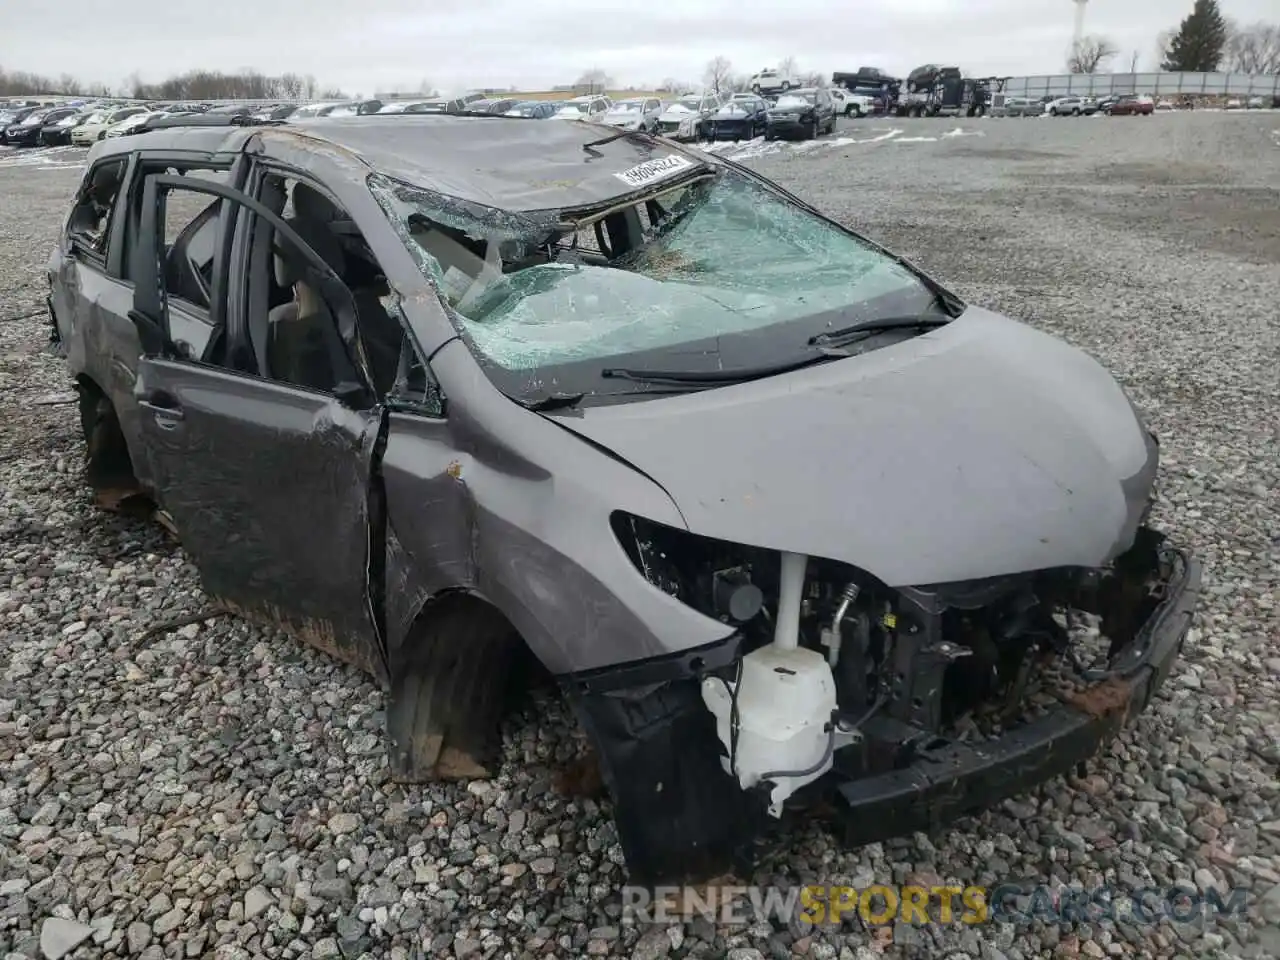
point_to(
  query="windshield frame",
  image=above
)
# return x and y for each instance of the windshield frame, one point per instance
(523, 385)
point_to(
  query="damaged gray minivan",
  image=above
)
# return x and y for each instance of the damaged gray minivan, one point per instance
(790, 523)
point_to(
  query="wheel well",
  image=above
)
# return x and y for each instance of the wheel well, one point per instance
(461, 666)
(108, 465)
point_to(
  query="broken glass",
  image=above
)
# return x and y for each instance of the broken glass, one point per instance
(720, 256)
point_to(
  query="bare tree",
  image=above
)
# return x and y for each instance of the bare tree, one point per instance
(1253, 49)
(246, 84)
(594, 80)
(717, 76)
(1090, 53)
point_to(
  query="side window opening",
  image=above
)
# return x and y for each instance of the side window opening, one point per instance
(293, 329)
(90, 223)
(191, 222)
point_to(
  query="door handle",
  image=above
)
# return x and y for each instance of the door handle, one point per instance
(164, 408)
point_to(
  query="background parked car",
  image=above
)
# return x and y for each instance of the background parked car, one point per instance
(58, 132)
(635, 113)
(852, 104)
(1023, 107)
(807, 112)
(26, 133)
(96, 127)
(492, 105)
(1072, 107)
(11, 116)
(355, 108)
(132, 123)
(689, 117)
(310, 111)
(589, 107)
(429, 105)
(742, 118)
(536, 109)
(770, 80)
(281, 111)
(1132, 105)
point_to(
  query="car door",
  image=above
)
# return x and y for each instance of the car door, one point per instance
(828, 106)
(267, 483)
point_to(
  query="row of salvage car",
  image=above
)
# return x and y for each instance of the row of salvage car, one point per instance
(693, 116)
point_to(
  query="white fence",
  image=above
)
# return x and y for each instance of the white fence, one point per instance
(1153, 84)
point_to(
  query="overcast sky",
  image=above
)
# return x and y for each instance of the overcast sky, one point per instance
(397, 44)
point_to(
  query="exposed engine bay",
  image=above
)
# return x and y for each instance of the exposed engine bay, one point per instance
(841, 671)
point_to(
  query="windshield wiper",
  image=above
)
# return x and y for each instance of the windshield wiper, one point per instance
(876, 324)
(719, 377)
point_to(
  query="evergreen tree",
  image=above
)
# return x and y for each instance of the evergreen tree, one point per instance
(1200, 42)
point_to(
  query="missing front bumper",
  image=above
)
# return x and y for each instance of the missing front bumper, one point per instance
(957, 778)
(682, 818)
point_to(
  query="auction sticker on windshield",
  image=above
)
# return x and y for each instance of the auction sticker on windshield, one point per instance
(653, 170)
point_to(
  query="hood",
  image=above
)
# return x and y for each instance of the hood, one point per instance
(789, 109)
(979, 449)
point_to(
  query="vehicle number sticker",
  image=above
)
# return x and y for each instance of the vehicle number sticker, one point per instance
(651, 170)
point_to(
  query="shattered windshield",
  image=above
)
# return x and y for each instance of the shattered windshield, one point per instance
(684, 272)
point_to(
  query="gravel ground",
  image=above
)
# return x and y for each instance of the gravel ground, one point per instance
(218, 790)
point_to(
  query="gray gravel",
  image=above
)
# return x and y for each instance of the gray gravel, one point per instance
(221, 791)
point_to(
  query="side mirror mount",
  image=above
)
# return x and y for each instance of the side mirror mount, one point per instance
(354, 395)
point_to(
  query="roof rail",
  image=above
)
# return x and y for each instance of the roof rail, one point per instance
(205, 120)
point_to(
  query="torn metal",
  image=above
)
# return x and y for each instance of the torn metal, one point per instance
(893, 703)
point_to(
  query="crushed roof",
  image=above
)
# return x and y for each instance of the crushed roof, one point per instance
(511, 163)
(514, 164)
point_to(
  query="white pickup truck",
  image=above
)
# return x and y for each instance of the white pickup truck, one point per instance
(851, 104)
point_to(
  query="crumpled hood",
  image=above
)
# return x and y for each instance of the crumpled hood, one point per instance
(978, 449)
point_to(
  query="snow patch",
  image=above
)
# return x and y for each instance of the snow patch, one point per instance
(760, 147)
(43, 158)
